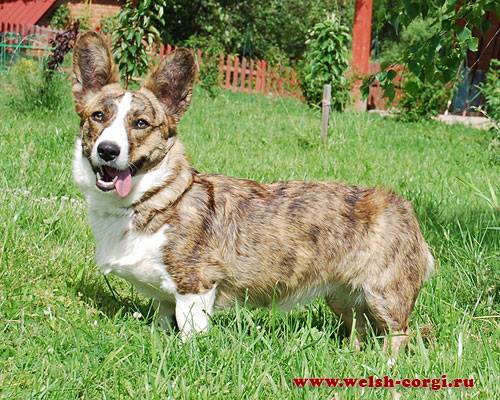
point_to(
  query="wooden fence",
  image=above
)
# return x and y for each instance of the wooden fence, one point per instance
(236, 74)
(251, 76)
(45, 34)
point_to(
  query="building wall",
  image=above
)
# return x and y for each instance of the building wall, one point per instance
(95, 9)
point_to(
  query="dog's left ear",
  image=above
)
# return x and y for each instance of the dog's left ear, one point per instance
(172, 82)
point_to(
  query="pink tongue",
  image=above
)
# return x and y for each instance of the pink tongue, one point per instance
(123, 184)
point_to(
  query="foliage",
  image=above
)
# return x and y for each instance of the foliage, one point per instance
(421, 99)
(30, 87)
(248, 28)
(108, 24)
(42, 86)
(62, 44)
(491, 91)
(136, 33)
(61, 17)
(445, 29)
(325, 62)
(209, 76)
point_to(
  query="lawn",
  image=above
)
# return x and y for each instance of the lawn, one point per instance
(66, 335)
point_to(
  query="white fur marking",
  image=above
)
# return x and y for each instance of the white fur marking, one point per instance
(116, 133)
(132, 255)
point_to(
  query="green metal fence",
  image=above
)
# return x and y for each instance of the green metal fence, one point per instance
(24, 41)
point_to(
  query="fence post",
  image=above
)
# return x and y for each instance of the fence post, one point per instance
(327, 96)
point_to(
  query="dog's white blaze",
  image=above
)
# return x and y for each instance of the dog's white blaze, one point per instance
(116, 133)
(193, 311)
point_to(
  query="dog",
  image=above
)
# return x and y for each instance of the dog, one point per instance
(199, 242)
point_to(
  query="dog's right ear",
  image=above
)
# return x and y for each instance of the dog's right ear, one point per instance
(93, 67)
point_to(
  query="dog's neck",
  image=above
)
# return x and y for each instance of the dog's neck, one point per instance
(170, 179)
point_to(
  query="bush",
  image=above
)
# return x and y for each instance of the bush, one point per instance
(30, 88)
(491, 91)
(108, 24)
(209, 77)
(61, 17)
(250, 28)
(135, 35)
(325, 62)
(421, 99)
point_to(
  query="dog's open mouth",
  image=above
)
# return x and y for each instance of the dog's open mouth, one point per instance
(109, 178)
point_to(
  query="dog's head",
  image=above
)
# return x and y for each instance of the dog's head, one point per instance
(126, 133)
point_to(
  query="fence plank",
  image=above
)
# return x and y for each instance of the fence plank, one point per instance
(236, 71)
(264, 76)
(250, 86)
(227, 84)
(243, 74)
(258, 77)
(221, 69)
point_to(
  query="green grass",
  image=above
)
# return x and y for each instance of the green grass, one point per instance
(64, 335)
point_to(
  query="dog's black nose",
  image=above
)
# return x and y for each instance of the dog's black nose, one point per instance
(108, 151)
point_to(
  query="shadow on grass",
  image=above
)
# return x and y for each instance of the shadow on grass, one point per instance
(112, 304)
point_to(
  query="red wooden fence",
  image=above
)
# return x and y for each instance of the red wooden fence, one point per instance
(251, 76)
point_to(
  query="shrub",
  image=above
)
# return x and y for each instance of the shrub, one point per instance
(491, 91)
(209, 77)
(61, 17)
(135, 35)
(108, 24)
(422, 99)
(29, 89)
(250, 28)
(325, 62)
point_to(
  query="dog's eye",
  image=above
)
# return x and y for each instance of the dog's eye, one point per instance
(141, 124)
(98, 116)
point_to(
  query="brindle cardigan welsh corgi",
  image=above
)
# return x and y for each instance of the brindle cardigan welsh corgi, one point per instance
(198, 242)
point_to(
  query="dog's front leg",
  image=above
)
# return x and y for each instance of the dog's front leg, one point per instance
(193, 311)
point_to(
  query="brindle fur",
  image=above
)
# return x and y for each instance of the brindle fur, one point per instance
(259, 242)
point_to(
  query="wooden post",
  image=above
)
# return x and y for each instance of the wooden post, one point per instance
(327, 97)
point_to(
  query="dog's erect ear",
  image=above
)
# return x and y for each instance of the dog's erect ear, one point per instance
(172, 82)
(93, 67)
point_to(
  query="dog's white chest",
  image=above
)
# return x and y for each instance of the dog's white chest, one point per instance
(134, 256)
